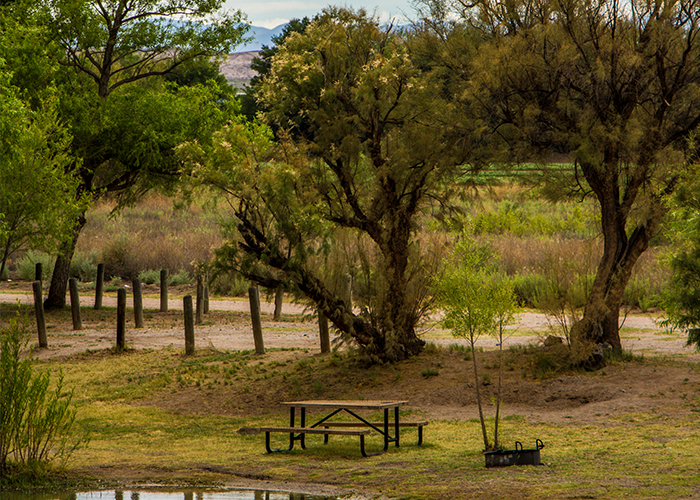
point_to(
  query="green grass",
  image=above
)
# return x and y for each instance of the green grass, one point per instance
(125, 405)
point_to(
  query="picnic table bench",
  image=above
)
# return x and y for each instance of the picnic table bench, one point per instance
(388, 428)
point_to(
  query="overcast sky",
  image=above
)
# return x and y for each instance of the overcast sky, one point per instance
(272, 13)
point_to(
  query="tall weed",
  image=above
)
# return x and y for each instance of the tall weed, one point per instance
(35, 420)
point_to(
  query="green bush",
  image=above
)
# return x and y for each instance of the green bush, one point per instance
(229, 284)
(26, 265)
(526, 288)
(83, 267)
(182, 277)
(150, 277)
(35, 422)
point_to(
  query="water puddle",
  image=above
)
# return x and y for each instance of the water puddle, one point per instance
(165, 495)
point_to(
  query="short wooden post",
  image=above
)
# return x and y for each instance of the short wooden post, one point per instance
(99, 285)
(279, 297)
(206, 293)
(138, 303)
(39, 310)
(38, 272)
(163, 290)
(121, 319)
(189, 324)
(254, 296)
(323, 332)
(75, 304)
(200, 300)
(347, 291)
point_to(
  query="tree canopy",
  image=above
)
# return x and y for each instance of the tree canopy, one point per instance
(111, 58)
(612, 88)
(38, 192)
(362, 157)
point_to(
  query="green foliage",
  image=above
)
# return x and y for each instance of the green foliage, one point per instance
(26, 266)
(172, 32)
(150, 276)
(474, 297)
(263, 64)
(84, 266)
(476, 301)
(35, 420)
(38, 198)
(361, 158)
(682, 298)
(582, 82)
(534, 216)
(181, 277)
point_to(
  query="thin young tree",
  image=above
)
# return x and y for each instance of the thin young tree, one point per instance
(476, 301)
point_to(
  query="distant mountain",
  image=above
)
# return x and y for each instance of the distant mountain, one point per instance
(261, 36)
(236, 68)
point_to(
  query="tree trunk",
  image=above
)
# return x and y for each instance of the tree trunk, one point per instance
(600, 322)
(394, 339)
(56, 298)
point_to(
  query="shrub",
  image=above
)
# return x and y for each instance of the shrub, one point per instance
(83, 267)
(26, 266)
(150, 277)
(119, 259)
(230, 284)
(182, 277)
(35, 422)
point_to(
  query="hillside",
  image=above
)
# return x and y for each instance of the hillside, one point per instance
(236, 68)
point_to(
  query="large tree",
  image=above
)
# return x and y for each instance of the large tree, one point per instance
(125, 123)
(612, 86)
(37, 195)
(364, 152)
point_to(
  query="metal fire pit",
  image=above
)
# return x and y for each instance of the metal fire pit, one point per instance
(518, 456)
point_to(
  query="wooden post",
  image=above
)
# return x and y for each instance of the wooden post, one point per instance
(99, 285)
(75, 304)
(163, 290)
(323, 332)
(279, 296)
(138, 303)
(200, 300)
(121, 319)
(347, 291)
(38, 272)
(189, 324)
(39, 310)
(206, 293)
(254, 297)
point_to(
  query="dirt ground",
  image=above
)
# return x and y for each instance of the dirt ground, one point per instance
(623, 388)
(227, 327)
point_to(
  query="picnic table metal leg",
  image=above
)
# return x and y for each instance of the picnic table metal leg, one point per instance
(386, 429)
(268, 446)
(396, 425)
(303, 424)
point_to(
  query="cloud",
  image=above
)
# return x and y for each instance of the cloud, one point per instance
(272, 13)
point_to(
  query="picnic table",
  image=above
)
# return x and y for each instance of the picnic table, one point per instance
(389, 428)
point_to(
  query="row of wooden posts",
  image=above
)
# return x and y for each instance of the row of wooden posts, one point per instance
(192, 316)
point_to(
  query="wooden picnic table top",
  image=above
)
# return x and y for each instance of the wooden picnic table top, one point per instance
(352, 404)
